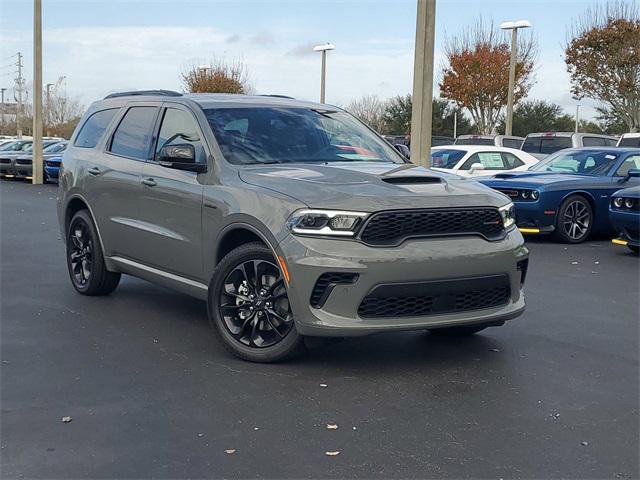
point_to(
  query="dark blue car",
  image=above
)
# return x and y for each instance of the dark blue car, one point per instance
(568, 193)
(52, 168)
(624, 212)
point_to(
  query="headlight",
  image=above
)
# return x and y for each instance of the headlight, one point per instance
(617, 202)
(628, 203)
(508, 213)
(326, 222)
(525, 194)
(535, 195)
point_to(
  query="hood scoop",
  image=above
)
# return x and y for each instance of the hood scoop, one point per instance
(407, 180)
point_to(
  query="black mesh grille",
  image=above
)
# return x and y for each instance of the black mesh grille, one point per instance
(5, 160)
(325, 284)
(23, 161)
(392, 228)
(433, 298)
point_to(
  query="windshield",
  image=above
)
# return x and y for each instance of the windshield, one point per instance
(446, 158)
(253, 135)
(629, 142)
(17, 146)
(589, 162)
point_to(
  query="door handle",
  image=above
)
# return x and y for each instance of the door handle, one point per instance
(149, 182)
(94, 171)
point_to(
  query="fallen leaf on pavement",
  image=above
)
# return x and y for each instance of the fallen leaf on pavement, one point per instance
(230, 451)
(332, 426)
(66, 419)
(332, 454)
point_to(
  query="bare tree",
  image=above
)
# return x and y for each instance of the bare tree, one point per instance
(216, 76)
(476, 72)
(370, 109)
(61, 109)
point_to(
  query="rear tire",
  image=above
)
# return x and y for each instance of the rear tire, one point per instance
(85, 263)
(249, 308)
(575, 220)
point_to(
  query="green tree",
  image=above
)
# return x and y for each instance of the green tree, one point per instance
(603, 59)
(444, 117)
(539, 116)
(397, 115)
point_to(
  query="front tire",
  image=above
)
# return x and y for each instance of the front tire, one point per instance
(575, 220)
(85, 263)
(249, 308)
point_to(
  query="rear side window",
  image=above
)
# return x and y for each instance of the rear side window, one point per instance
(511, 143)
(531, 144)
(133, 136)
(94, 128)
(629, 142)
(594, 142)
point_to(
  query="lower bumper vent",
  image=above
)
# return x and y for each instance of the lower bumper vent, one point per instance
(326, 283)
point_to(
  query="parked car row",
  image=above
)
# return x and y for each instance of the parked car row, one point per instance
(16, 158)
(572, 193)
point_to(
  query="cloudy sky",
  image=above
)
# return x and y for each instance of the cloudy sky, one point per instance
(109, 45)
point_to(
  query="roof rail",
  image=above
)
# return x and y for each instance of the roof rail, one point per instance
(275, 95)
(157, 93)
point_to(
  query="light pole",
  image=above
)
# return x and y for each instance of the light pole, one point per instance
(48, 115)
(577, 116)
(513, 26)
(323, 49)
(37, 170)
(3, 90)
(422, 99)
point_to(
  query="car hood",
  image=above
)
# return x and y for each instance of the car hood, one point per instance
(532, 179)
(631, 192)
(370, 186)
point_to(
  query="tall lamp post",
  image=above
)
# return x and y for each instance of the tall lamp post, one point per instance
(323, 49)
(513, 26)
(36, 175)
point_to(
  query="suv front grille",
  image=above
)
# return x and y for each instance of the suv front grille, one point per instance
(433, 298)
(326, 283)
(23, 161)
(392, 228)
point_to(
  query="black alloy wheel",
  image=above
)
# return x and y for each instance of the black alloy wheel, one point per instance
(254, 304)
(249, 308)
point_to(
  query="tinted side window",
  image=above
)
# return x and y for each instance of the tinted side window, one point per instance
(553, 144)
(629, 142)
(133, 136)
(511, 143)
(531, 144)
(179, 127)
(594, 142)
(94, 128)
(610, 142)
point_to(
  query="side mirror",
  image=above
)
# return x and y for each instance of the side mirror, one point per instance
(633, 173)
(403, 149)
(180, 157)
(476, 166)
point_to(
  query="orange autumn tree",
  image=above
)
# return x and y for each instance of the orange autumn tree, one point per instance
(476, 72)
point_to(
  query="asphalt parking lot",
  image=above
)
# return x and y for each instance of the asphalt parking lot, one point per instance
(553, 393)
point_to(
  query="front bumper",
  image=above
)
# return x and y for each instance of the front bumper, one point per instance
(23, 170)
(421, 260)
(532, 218)
(7, 167)
(626, 226)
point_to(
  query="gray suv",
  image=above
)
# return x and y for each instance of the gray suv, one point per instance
(289, 218)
